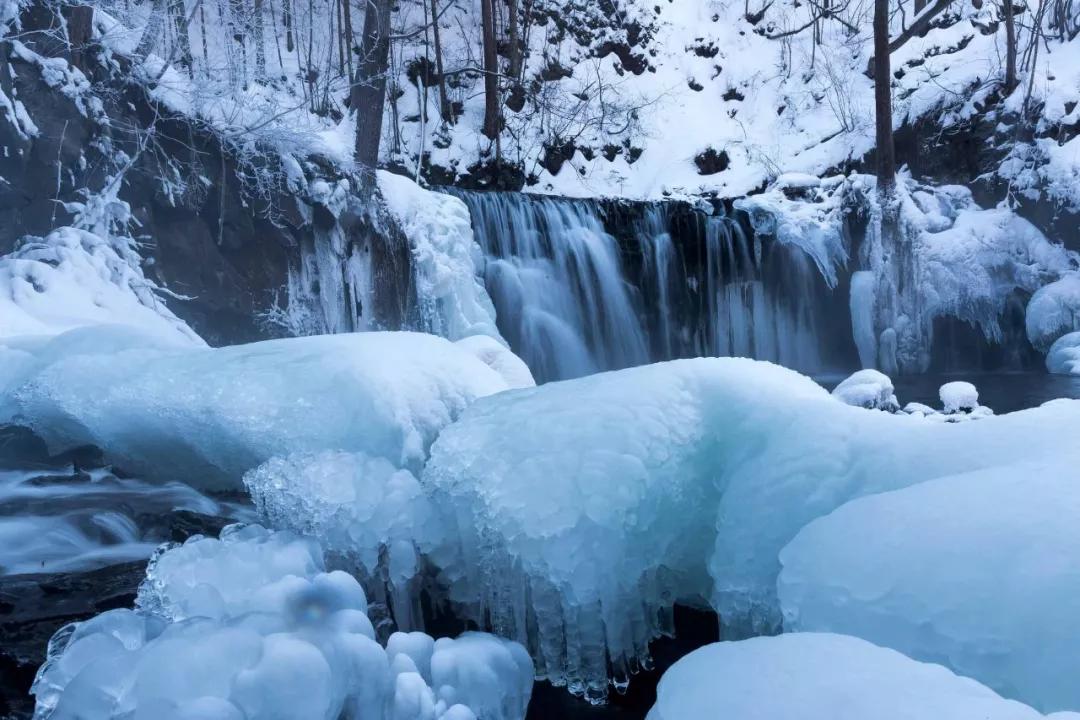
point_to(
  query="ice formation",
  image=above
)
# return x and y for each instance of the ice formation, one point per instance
(206, 416)
(73, 278)
(445, 256)
(867, 389)
(820, 675)
(586, 508)
(978, 572)
(958, 396)
(253, 626)
(1053, 311)
(500, 359)
(1064, 355)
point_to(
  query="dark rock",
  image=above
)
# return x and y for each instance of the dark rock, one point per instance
(710, 161)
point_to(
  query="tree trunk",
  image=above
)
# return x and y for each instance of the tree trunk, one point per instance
(886, 160)
(491, 70)
(515, 41)
(368, 94)
(350, 40)
(1010, 47)
(80, 30)
(919, 6)
(287, 21)
(152, 31)
(260, 42)
(445, 111)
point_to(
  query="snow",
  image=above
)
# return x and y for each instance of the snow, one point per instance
(205, 416)
(1053, 311)
(976, 571)
(500, 359)
(253, 626)
(958, 396)
(588, 507)
(1064, 355)
(445, 257)
(73, 278)
(867, 389)
(820, 675)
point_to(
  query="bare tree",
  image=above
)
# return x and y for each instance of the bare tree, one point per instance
(154, 26)
(886, 159)
(368, 94)
(445, 110)
(1010, 46)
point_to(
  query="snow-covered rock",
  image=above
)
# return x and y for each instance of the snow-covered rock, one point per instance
(868, 389)
(252, 626)
(958, 396)
(500, 359)
(1064, 355)
(817, 675)
(1053, 311)
(978, 572)
(205, 416)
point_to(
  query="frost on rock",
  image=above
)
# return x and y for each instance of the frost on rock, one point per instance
(978, 572)
(820, 675)
(1064, 355)
(1053, 311)
(206, 416)
(868, 389)
(73, 278)
(576, 513)
(446, 258)
(253, 627)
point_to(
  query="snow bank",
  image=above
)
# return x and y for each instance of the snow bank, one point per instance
(73, 278)
(208, 415)
(252, 626)
(1064, 355)
(1053, 311)
(586, 508)
(867, 389)
(811, 675)
(500, 359)
(445, 256)
(978, 572)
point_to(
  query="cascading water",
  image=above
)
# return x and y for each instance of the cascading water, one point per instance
(572, 299)
(556, 278)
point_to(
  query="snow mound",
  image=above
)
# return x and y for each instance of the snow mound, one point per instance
(445, 257)
(1053, 311)
(72, 278)
(1064, 355)
(256, 628)
(867, 389)
(978, 572)
(208, 415)
(586, 508)
(812, 675)
(958, 397)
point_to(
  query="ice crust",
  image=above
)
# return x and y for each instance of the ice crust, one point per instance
(1053, 311)
(253, 626)
(977, 572)
(818, 675)
(205, 416)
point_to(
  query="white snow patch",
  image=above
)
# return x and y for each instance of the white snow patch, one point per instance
(868, 389)
(1064, 355)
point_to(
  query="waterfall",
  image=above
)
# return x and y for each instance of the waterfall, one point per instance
(557, 281)
(582, 286)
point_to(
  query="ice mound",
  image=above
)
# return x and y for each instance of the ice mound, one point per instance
(72, 278)
(359, 506)
(1064, 355)
(454, 300)
(868, 389)
(978, 572)
(208, 415)
(957, 397)
(255, 628)
(578, 512)
(1053, 311)
(500, 359)
(811, 675)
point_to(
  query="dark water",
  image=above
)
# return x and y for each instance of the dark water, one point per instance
(1003, 392)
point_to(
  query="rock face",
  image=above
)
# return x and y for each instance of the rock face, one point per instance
(240, 248)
